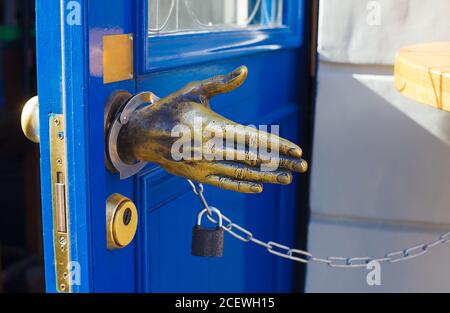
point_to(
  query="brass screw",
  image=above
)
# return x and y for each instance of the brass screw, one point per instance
(62, 241)
(59, 161)
(62, 287)
(57, 122)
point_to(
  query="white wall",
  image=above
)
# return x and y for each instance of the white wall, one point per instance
(381, 162)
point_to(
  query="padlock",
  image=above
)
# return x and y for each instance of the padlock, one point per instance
(207, 242)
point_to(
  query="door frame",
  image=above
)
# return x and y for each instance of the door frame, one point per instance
(62, 91)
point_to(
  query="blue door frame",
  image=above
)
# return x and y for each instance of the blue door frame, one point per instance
(70, 82)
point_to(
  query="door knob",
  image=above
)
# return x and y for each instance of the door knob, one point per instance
(187, 138)
(30, 119)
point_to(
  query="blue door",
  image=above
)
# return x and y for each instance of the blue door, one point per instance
(162, 45)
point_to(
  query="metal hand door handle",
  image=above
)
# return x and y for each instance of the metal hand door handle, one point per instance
(148, 129)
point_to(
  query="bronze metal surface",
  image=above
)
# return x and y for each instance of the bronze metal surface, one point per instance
(147, 136)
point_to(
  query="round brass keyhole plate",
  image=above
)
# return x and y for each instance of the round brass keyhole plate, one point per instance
(121, 221)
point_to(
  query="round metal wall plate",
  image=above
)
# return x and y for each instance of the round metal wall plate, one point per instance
(114, 105)
(117, 112)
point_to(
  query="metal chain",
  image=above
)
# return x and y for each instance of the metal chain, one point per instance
(302, 256)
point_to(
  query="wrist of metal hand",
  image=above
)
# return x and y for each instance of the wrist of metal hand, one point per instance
(302, 256)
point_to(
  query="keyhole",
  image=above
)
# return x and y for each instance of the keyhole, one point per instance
(127, 216)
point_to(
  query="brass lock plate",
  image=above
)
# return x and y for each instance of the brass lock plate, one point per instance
(59, 202)
(117, 58)
(121, 221)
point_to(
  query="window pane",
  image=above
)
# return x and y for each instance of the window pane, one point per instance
(168, 16)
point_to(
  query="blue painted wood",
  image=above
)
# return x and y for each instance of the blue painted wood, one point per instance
(70, 81)
(60, 49)
(112, 270)
(50, 102)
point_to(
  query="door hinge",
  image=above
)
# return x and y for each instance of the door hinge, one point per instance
(61, 236)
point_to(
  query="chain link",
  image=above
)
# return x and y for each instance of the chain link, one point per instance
(302, 256)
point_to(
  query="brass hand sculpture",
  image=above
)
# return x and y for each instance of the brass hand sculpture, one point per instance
(149, 136)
